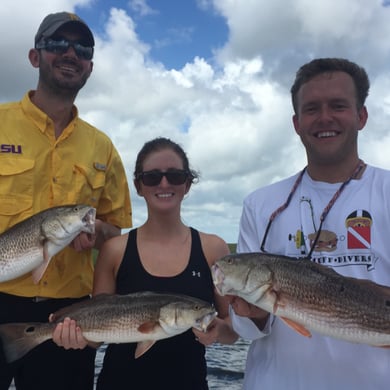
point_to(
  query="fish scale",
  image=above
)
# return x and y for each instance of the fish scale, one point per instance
(351, 301)
(308, 295)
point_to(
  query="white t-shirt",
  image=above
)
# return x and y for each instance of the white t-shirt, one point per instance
(355, 242)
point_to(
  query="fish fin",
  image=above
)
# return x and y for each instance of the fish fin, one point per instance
(46, 256)
(143, 347)
(20, 338)
(147, 327)
(297, 327)
(38, 272)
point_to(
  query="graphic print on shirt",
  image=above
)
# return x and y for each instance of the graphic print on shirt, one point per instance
(352, 245)
(327, 240)
(358, 226)
(299, 240)
(15, 149)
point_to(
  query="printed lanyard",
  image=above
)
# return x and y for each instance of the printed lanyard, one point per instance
(325, 212)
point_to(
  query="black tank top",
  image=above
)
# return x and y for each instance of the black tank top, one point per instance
(176, 363)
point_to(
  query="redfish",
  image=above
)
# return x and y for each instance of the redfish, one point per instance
(143, 317)
(308, 296)
(30, 244)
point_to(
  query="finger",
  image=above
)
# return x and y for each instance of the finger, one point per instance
(76, 244)
(66, 341)
(77, 338)
(57, 334)
(86, 241)
(72, 334)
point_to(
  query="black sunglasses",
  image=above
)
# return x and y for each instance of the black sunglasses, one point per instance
(61, 46)
(175, 177)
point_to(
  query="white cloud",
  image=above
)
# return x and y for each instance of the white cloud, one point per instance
(141, 7)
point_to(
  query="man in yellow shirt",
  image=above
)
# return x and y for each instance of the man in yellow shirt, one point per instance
(51, 157)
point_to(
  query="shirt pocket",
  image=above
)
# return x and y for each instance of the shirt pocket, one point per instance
(16, 190)
(89, 184)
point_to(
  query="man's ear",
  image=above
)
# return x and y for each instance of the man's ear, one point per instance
(295, 121)
(33, 56)
(363, 116)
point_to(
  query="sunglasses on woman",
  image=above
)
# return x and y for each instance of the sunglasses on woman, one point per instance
(61, 46)
(175, 177)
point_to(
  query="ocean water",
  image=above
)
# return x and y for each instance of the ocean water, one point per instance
(225, 365)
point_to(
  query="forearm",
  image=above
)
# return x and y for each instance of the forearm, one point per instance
(104, 231)
(247, 328)
(226, 334)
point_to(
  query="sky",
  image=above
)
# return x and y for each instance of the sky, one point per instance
(214, 76)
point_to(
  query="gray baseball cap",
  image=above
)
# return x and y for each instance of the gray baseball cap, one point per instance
(52, 22)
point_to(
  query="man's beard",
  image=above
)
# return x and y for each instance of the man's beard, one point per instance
(61, 86)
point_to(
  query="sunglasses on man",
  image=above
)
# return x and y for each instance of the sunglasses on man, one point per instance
(175, 177)
(61, 46)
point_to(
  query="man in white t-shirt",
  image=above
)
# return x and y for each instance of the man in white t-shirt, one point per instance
(352, 200)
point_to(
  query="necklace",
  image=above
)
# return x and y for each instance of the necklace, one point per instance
(324, 213)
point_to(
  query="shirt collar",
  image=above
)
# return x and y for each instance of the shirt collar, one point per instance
(40, 118)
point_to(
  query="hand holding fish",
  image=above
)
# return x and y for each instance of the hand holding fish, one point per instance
(207, 337)
(83, 241)
(246, 309)
(211, 335)
(87, 240)
(219, 331)
(68, 335)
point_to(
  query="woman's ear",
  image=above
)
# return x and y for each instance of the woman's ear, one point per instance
(137, 186)
(188, 186)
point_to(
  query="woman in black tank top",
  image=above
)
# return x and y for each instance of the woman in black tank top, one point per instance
(163, 254)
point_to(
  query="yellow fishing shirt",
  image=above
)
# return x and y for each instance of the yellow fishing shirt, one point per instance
(38, 171)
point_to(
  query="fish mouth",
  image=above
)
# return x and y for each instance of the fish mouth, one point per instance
(218, 278)
(89, 220)
(203, 322)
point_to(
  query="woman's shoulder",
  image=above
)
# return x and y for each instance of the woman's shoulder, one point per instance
(211, 238)
(213, 246)
(114, 245)
(113, 241)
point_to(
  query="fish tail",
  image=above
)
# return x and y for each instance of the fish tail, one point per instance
(20, 338)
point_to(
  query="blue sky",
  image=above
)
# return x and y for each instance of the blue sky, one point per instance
(175, 30)
(213, 75)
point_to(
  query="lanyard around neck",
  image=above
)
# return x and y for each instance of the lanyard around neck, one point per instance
(324, 213)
